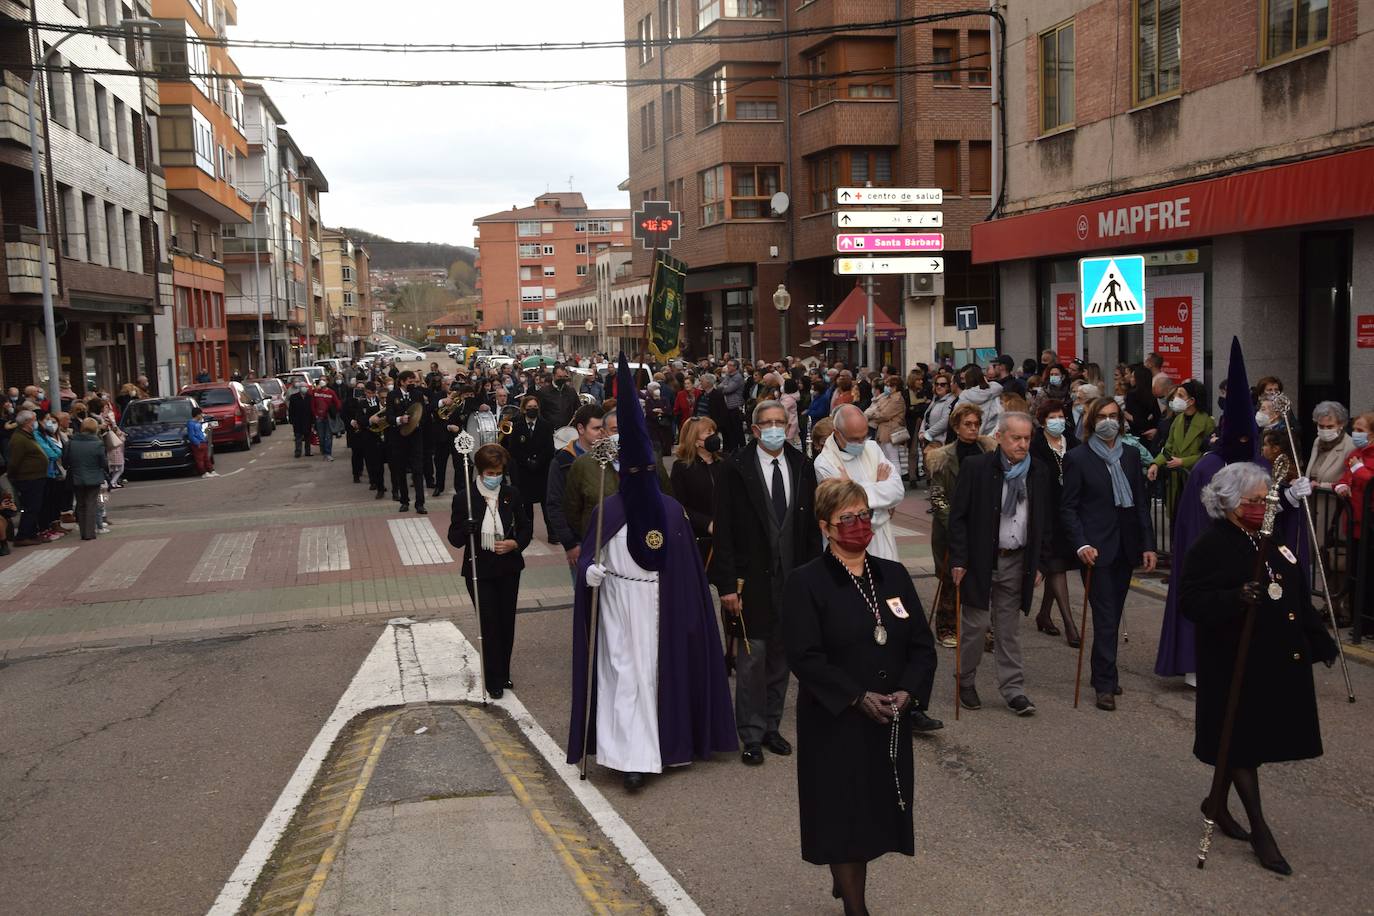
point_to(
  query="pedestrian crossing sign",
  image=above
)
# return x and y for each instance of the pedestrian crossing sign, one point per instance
(1112, 290)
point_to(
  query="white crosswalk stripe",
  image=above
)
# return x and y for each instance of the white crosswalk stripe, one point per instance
(538, 548)
(227, 557)
(417, 542)
(899, 532)
(323, 550)
(124, 566)
(22, 574)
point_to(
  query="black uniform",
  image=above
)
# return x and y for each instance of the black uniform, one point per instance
(364, 446)
(302, 419)
(407, 452)
(434, 393)
(530, 444)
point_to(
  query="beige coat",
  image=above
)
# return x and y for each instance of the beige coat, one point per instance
(888, 413)
(1328, 466)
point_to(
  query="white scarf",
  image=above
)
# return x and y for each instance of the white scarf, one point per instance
(492, 531)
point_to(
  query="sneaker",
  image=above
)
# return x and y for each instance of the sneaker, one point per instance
(968, 698)
(328, 457)
(947, 639)
(1021, 705)
(48, 537)
(214, 473)
(103, 529)
(207, 475)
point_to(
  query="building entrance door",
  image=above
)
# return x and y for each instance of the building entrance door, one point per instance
(1324, 316)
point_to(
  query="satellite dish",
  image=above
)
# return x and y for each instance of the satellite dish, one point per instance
(780, 203)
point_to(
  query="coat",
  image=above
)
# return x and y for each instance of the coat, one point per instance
(888, 414)
(845, 790)
(357, 409)
(1062, 554)
(27, 458)
(531, 450)
(299, 413)
(1277, 715)
(84, 457)
(582, 491)
(1327, 466)
(744, 543)
(557, 405)
(694, 485)
(975, 518)
(1089, 512)
(517, 526)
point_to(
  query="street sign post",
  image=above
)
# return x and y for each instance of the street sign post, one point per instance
(890, 241)
(885, 265)
(966, 320)
(889, 219)
(1112, 291)
(873, 196)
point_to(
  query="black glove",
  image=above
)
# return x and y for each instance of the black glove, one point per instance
(1252, 592)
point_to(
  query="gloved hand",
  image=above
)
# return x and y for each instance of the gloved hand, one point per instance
(1298, 490)
(596, 574)
(1252, 593)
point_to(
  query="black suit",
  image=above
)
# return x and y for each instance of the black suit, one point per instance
(407, 452)
(530, 444)
(1091, 517)
(365, 447)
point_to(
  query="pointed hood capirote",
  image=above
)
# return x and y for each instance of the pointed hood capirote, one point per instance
(1239, 436)
(638, 474)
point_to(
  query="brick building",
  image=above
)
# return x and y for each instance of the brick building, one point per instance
(806, 115)
(1229, 143)
(528, 256)
(347, 291)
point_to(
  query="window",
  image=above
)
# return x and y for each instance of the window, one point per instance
(182, 56)
(740, 92)
(980, 167)
(869, 63)
(947, 165)
(114, 245)
(675, 194)
(531, 294)
(527, 273)
(348, 300)
(548, 251)
(548, 228)
(529, 251)
(708, 11)
(1157, 35)
(870, 166)
(548, 270)
(942, 53)
(646, 37)
(347, 274)
(647, 128)
(121, 132)
(672, 113)
(580, 226)
(581, 270)
(549, 293)
(751, 188)
(672, 19)
(133, 245)
(581, 248)
(527, 228)
(846, 168)
(530, 316)
(712, 185)
(711, 96)
(979, 59)
(91, 211)
(102, 119)
(1291, 26)
(81, 107)
(1056, 77)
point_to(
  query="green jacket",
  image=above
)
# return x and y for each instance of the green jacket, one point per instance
(581, 492)
(84, 457)
(27, 459)
(942, 464)
(1189, 446)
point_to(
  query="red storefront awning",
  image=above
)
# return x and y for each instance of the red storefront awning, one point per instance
(1335, 187)
(841, 323)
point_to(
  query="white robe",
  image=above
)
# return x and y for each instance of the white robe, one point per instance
(627, 663)
(883, 496)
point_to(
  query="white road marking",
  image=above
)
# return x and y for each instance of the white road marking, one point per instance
(123, 567)
(417, 542)
(433, 662)
(323, 550)
(196, 479)
(22, 574)
(538, 548)
(226, 559)
(899, 532)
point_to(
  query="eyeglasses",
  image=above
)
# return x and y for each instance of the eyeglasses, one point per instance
(1254, 500)
(772, 424)
(850, 518)
(942, 384)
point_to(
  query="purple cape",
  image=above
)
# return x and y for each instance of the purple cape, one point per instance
(695, 713)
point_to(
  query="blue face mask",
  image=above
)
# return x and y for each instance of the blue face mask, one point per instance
(1360, 439)
(491, 483)
(1055, 426)
(773, 438)
(854, 448)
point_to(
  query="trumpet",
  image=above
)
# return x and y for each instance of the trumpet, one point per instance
(507, 423)
(444, 411)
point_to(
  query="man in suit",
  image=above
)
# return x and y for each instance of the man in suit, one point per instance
(365, 445)
(407, 441)
(1107, 516)
(999, 539)
(764, 528)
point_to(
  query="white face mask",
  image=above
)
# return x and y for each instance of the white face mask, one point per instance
(1178, 405)
(1263, 420)
(1328, 434)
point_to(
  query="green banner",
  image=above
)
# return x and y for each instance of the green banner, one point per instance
(667, 302)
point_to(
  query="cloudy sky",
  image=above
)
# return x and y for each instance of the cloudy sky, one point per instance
(421, 164)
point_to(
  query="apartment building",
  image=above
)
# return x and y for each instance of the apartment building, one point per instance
(1226, 141)
(202, 143)
(606, 314)
(528, 256)
(737, 121)
(347, 291)
(103, 193)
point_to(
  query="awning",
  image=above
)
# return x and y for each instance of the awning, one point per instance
(842, 323)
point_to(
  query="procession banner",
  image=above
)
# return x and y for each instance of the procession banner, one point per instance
(666, 306)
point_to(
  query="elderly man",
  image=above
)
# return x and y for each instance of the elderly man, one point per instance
(28, 472)
(731, 386)
(850, 454)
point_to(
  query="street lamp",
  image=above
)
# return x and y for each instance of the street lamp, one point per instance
(782, 301)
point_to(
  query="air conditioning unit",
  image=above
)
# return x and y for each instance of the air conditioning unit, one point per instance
(919, 285)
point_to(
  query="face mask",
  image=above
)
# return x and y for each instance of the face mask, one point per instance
(1262, 420)
(887, 389)
(1328, 435)
(1056, 381)
(1360, 439)
(1107, 429)
(1055, 426)
(854, 448)
(712, 443)
(1252, 517)
(614, 437)
(854, 537)
(50, 426)
(1178, 405)
(559, 383)
(773, 438)
(532, 414)
(491, 483)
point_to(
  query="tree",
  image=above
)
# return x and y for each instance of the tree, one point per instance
(462, 276)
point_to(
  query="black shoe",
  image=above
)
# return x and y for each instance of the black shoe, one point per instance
(1117, 691)
(920, 722)
(634, 782)
(1021, 705)
(752, 755)
(438, 491)
(777, 744)
(357, 480)
(1106, 702)
(509, 685)
(421, 510)
(298, 454)
(1227, 824)
(405, 507)
(4, 548)
(381, 493)
(307, 453)
(968, 698)
(1273, 859)
(496, 693)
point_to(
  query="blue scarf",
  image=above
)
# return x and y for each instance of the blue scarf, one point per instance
(51, 448)
(1121, 487)
(1015, 476)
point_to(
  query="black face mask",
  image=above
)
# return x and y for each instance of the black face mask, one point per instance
(712, 443)
(559, 382)
(532, 413)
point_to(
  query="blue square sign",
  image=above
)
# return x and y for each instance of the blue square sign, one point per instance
(1112, 290)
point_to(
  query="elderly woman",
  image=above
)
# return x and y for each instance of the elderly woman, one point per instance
(1333, 445)
(1276, 719)
(888, 414)
(862, 653)
(84, 458)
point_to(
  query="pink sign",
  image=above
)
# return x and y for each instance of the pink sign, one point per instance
(895, 241)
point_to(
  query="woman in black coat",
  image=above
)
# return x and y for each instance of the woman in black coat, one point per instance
(696, 475)
(1276, 718)
(501, 531)
(531, 450)
(1142, 410)
(1053, 440)
(858, 642)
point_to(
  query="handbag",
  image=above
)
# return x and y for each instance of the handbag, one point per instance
(900, 436)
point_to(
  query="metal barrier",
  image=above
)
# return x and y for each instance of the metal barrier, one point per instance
(1162, 512)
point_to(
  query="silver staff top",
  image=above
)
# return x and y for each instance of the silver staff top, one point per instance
(605, 451)
(463, 443)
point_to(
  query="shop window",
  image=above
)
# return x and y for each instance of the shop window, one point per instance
(979, 58)
(1056, 77)
(944, 45)
(980, 167)
(1157, 37)
(947, 165)
(751, 189)
(1293, 26)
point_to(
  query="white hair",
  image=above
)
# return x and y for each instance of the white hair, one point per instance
(24, 416)
(1089, 392)
(845, 408)
(1013, 415)
(1221, 497)
(1333, 409)
(762, 406)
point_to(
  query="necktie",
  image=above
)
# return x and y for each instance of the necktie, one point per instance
(779, 494)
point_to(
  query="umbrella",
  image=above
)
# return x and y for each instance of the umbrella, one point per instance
(537, 362)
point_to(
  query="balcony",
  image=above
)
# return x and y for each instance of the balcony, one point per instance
(824, 15)
(846, 122)
(317, 288)
(247, 307)
(312, 207)
(22, 260)
(14, 110)
(246, 246)
(314, 250)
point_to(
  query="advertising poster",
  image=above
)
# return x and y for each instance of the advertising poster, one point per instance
(1173, 323)
(1067, 339)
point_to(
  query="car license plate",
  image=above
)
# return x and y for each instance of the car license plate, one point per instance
(153, 456)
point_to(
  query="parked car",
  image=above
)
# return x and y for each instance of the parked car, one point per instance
(266, 424)
(155, 435)
(275, 389)
(228, 404)
(340, 366)
(312, 373)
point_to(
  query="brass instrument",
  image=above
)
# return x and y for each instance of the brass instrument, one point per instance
(414, 412)
(378, 424)
(507, 422)
(444, 411)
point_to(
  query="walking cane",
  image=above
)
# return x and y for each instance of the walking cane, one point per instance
(1285, 405)
(958, 649)
(1216, 798)
(463, 445)
(1082, 636)
(603, 452)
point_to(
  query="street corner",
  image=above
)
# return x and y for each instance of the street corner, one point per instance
(443, 807)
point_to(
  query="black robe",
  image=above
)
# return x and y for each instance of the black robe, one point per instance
(845, 788)
(1277, 715)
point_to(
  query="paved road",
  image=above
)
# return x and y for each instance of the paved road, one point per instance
(239, 608)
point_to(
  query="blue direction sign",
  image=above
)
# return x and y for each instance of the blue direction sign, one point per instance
(1112, 290)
